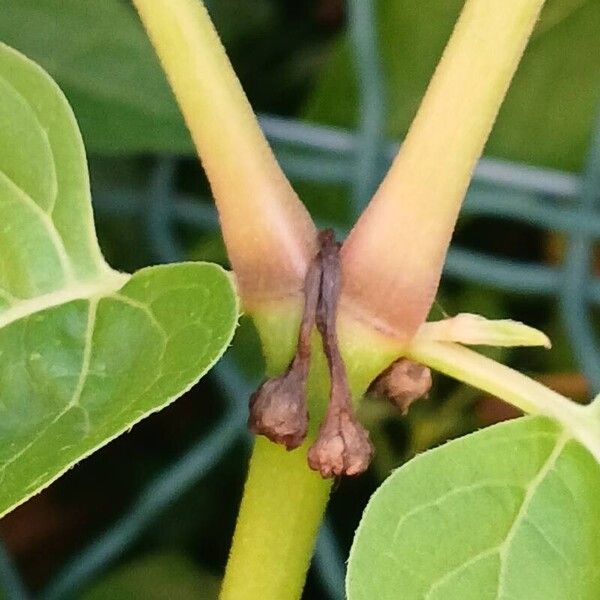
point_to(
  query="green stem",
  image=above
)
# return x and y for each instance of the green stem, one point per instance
(393, 284)
(507, 384)
(269, 234)
(281, 511)
(284, 501)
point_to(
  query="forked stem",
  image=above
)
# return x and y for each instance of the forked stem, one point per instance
(271, 241)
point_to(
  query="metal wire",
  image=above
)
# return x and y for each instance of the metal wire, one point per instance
(576, 272)
(363, 35)
(329, 564)
(540, 197)
(338, 144)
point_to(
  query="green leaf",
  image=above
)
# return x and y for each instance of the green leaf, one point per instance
(560, 68)
(103, 61)
(510, 512)
(85, 352)
(156, 577)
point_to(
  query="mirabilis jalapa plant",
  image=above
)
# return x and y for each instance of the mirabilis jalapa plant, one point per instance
(390, 266)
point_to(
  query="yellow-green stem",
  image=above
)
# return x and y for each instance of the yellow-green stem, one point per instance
(281, 511)
(393, 257)
(284, 501)
(269, 235)
(511, 386)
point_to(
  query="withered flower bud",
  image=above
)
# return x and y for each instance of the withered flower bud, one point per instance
(278, 407)
(402, 383)
(342, 446)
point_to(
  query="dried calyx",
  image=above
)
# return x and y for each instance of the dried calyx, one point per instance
(342, 446)
(402, 383)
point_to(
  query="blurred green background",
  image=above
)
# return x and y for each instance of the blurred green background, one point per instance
(301, 61)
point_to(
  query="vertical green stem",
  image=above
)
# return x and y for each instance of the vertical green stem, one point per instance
(284, 501)
(279, 518)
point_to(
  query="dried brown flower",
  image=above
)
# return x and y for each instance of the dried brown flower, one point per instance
(342, 446)
(402, 383)
(278, 407)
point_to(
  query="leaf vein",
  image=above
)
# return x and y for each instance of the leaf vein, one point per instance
(453, 492)
(46, 220)
(461, 567)
(530, 492)
(74, 401)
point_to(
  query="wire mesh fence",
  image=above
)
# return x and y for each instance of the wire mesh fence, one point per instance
(546, 199)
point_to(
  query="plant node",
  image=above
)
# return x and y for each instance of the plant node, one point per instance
(278, 408)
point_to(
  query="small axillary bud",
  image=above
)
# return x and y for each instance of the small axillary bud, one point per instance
(402, 383)
(278, 407)
(342, 446)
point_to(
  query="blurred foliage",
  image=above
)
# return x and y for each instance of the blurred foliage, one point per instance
(100, 56)
(547, 116)
(158, 577)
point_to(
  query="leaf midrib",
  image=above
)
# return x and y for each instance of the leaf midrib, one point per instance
(108, 283)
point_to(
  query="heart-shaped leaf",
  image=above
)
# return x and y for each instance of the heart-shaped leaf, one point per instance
(85, 352)
(506, 513)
